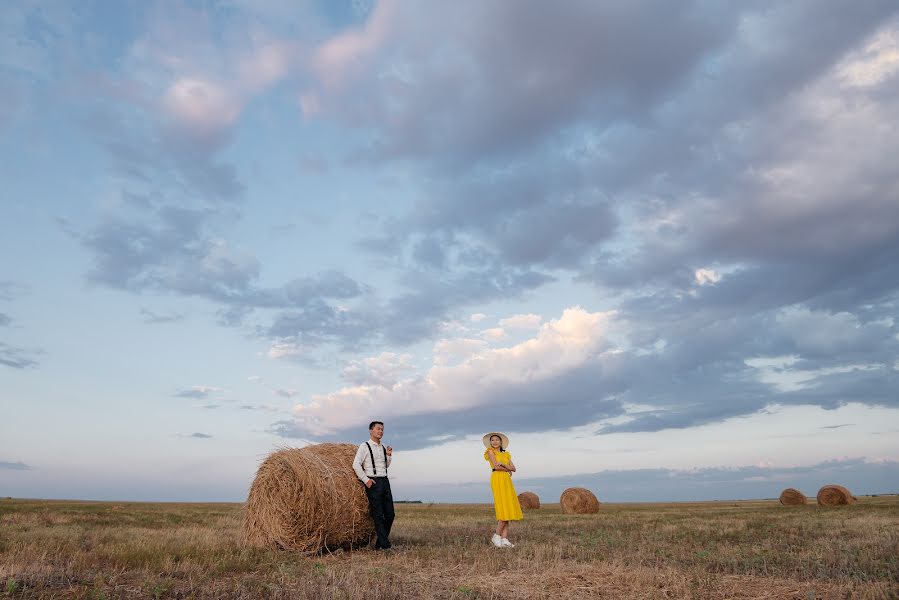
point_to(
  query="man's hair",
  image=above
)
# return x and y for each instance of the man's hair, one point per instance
(373, 423)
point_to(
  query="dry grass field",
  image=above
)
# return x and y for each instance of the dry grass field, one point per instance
(759, 549)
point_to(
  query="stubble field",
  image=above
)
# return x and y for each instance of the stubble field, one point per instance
(748, 549)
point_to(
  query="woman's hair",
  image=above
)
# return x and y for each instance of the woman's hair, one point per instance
(500, 442)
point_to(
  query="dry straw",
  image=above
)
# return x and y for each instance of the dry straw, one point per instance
(834, 495)
(529, 500)
(792, 497)
(308, 500)
(579, 501)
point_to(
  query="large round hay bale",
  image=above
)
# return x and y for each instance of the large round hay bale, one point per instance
(529, 500)
(792, 497)
(579, 501)
(834, 495)
(308, 499)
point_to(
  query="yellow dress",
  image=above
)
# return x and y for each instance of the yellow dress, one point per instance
(505, 500)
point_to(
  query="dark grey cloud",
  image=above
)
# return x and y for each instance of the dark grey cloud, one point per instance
(200, 436)
(481, 79)
(671, 485)
(17, 358)
(638, 173)
(172, 249)
(4, 319)
(14, 466)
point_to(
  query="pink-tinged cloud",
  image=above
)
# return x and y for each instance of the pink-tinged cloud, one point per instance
(202, 107)
(560, 345)
(345, 54)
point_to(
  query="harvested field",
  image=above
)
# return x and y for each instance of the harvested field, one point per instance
(51, 549)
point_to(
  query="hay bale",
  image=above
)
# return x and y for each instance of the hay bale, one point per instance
(792, 497)
(308, 499)
(579, 501)
(834, 495)
(529, 500)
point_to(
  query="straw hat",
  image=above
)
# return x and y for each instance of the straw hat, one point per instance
(502, 436)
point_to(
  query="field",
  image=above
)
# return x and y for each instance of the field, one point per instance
(747, 549)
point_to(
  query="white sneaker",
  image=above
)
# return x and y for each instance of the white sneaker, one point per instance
(506, 543)
(497, 541)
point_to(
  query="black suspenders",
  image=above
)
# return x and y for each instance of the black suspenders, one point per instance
(374, 469)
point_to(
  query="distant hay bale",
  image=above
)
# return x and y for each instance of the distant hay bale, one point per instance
(834, 495)
(308, 500)
(529, 500)
(579, 501)
(792, 497)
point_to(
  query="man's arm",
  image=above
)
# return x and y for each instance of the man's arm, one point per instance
(357, 465)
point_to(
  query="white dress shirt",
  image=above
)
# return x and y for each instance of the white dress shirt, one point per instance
(362, 462)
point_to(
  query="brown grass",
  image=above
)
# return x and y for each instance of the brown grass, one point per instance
(705, 550)
(308, 499)
(792, 497)
(579, 501)
(529, 500)
(834, 495)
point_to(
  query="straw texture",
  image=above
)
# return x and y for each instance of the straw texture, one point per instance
(308, 500)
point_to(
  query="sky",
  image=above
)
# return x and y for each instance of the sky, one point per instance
(655, 243)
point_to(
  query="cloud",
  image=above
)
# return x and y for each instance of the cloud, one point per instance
(262, 407)
(468, 388)
(152, 318)
(199, 436)
(528, 321)
(4, 320)
(453, 351)
(14, 466)
(198, 392)
(17, 358)
(385, 370)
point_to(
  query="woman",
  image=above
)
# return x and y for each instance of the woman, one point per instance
(505, 501)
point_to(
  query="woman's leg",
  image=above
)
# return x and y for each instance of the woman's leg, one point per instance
(500, 527)
(505, 532)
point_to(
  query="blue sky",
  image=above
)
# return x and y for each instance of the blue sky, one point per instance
(655, 243)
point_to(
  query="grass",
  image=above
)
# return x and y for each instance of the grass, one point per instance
(759, 549)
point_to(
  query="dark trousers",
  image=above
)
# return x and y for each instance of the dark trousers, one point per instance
(380, 502)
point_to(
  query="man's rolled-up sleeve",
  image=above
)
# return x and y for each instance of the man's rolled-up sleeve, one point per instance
(357, 465)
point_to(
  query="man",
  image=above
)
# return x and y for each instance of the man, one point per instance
(370, 464)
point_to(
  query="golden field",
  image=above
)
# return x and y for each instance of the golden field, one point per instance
(744, 549)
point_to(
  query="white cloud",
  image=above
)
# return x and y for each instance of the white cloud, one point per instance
(562, 344)
(706, 276)
(875, 63)
(385, 370)
(776, 372)
(283, 349)
(203, 107)
(455, 350)
(528, 321)
(495, 333)
(476, 317)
